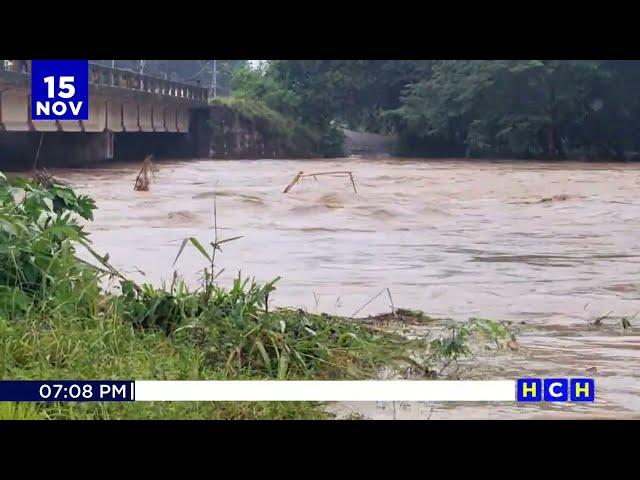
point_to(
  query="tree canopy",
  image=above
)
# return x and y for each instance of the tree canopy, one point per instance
(504, 108)
(475, 108)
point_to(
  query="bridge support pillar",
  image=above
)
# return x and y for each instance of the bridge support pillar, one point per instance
(14, 110)
(55, 148)
(200, 132)
(77, 148)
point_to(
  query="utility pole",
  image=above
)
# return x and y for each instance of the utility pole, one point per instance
(113, 64)
(214, 79)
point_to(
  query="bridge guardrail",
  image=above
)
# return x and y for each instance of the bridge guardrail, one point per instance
(119, 78)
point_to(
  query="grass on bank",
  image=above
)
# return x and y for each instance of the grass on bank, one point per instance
(295, 138)
(57, 322)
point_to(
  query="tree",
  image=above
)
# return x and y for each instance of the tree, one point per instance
(352, 92)
(521, 107)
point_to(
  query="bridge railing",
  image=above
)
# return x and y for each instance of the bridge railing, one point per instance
(115, 77)
(20, 66)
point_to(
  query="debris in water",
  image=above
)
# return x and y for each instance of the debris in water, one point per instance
(301, 174)
(143, 181)
(294, 181)
(44, 179)
(598, 321)
(555, 198)
(562, 197)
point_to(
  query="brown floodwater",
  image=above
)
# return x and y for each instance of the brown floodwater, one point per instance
(554, 245)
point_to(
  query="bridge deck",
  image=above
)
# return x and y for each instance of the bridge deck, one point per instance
(119, 101)
(18, 73)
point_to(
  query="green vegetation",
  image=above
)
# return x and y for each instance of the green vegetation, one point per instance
(319, 92)
(291, 135)
(297, 95)
(57, 322)
(542, 109)
(551, 109)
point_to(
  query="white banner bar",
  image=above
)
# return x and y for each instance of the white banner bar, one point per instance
(328, 391)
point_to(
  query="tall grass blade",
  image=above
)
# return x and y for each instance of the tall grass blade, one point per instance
(194, 241)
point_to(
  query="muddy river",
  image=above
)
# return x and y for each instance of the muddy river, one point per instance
(554, 245)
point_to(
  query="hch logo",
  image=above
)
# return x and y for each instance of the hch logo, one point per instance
(60, 90)
(556, 390)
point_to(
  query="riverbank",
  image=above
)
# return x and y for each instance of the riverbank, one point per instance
(520, 242)
(453, 238)
(243, 128)
(57, 321)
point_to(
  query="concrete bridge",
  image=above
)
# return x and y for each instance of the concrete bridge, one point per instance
(131, 115)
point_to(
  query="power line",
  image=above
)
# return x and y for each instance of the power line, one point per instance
(201, 70)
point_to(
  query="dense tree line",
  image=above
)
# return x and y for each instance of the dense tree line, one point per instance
(327, 94)
(478, 108)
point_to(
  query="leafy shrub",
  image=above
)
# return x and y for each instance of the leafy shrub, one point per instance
(38, 232)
